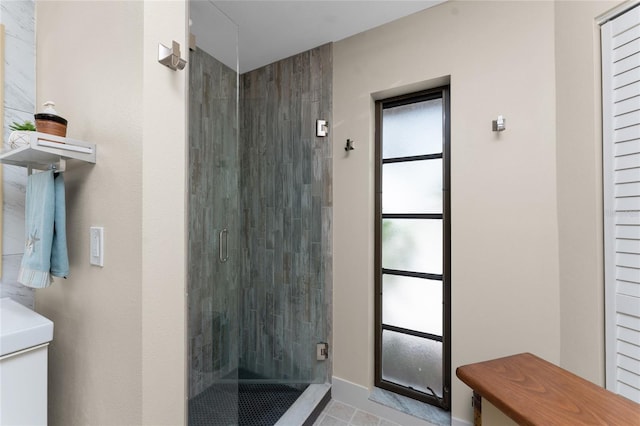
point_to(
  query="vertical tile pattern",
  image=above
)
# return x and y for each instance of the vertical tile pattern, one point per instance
(213, 206)
(19, 104)
(286, 206)
(274, 292)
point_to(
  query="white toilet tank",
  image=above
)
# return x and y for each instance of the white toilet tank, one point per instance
(24, 341)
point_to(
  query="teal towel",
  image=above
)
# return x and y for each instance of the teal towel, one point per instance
(45, 251)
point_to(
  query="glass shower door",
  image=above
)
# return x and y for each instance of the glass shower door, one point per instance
(259, 226)
(213, 218)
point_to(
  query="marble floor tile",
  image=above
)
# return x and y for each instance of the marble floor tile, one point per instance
(340, 411)
(362, 418)
(327, 420)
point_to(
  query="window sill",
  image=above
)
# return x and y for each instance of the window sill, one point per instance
(418, 409)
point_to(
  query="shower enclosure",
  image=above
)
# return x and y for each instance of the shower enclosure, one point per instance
(259, 274)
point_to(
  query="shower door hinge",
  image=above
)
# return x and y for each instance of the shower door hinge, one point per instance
(322, 128)
(322, 351)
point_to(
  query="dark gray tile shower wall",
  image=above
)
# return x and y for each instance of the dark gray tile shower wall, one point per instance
(285, 180)
(264, 309)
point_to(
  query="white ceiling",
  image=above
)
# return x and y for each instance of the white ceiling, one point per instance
(268, 31)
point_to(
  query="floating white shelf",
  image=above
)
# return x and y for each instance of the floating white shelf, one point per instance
(45, 151)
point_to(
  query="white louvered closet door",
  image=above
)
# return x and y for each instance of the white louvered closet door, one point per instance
(621, 178)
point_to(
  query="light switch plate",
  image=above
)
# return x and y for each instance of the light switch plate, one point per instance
(96, 245)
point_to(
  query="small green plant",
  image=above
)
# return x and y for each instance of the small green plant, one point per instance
(27, 125)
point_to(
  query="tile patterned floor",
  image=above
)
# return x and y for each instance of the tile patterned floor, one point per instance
(339, 414)
(245, 404)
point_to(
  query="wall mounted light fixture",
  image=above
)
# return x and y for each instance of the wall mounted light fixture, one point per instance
(499, 125)
(170, 57)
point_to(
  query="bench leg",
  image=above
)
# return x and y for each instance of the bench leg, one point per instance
(476, 402)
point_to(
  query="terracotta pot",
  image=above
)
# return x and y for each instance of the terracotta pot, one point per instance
(51, 124)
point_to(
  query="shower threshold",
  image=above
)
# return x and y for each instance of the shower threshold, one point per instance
(307, 408)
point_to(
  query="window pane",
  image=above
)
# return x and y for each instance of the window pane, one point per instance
(413, 129)
(412, 187)
(412, 245)
(412, 361)
(412, 303)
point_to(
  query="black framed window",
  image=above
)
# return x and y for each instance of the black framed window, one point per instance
(413, 256)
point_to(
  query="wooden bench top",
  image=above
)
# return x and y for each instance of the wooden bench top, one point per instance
(532, 391)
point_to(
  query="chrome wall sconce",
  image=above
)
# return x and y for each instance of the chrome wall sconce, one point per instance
(170, 57)
(499, 125)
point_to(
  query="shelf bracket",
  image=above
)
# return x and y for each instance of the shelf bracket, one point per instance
(58, 167)
(61, 166)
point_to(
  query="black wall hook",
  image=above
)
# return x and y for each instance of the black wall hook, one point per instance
(349, 146)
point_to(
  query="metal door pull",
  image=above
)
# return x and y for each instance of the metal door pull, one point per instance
(223, 248)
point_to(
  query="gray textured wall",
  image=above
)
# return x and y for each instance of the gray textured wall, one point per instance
(266, 308)
(286, 178)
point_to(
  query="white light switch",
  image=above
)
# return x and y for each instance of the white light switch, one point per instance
(96, 255)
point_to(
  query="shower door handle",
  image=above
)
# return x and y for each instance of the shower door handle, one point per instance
(223, 247)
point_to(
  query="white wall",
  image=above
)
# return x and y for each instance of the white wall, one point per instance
(164, 252)
(579, 153)
(522, 279)
(94, 75)
(505, 273)
(118, 354)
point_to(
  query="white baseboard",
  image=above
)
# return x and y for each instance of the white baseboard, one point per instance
(358, 396)
(460, 422)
